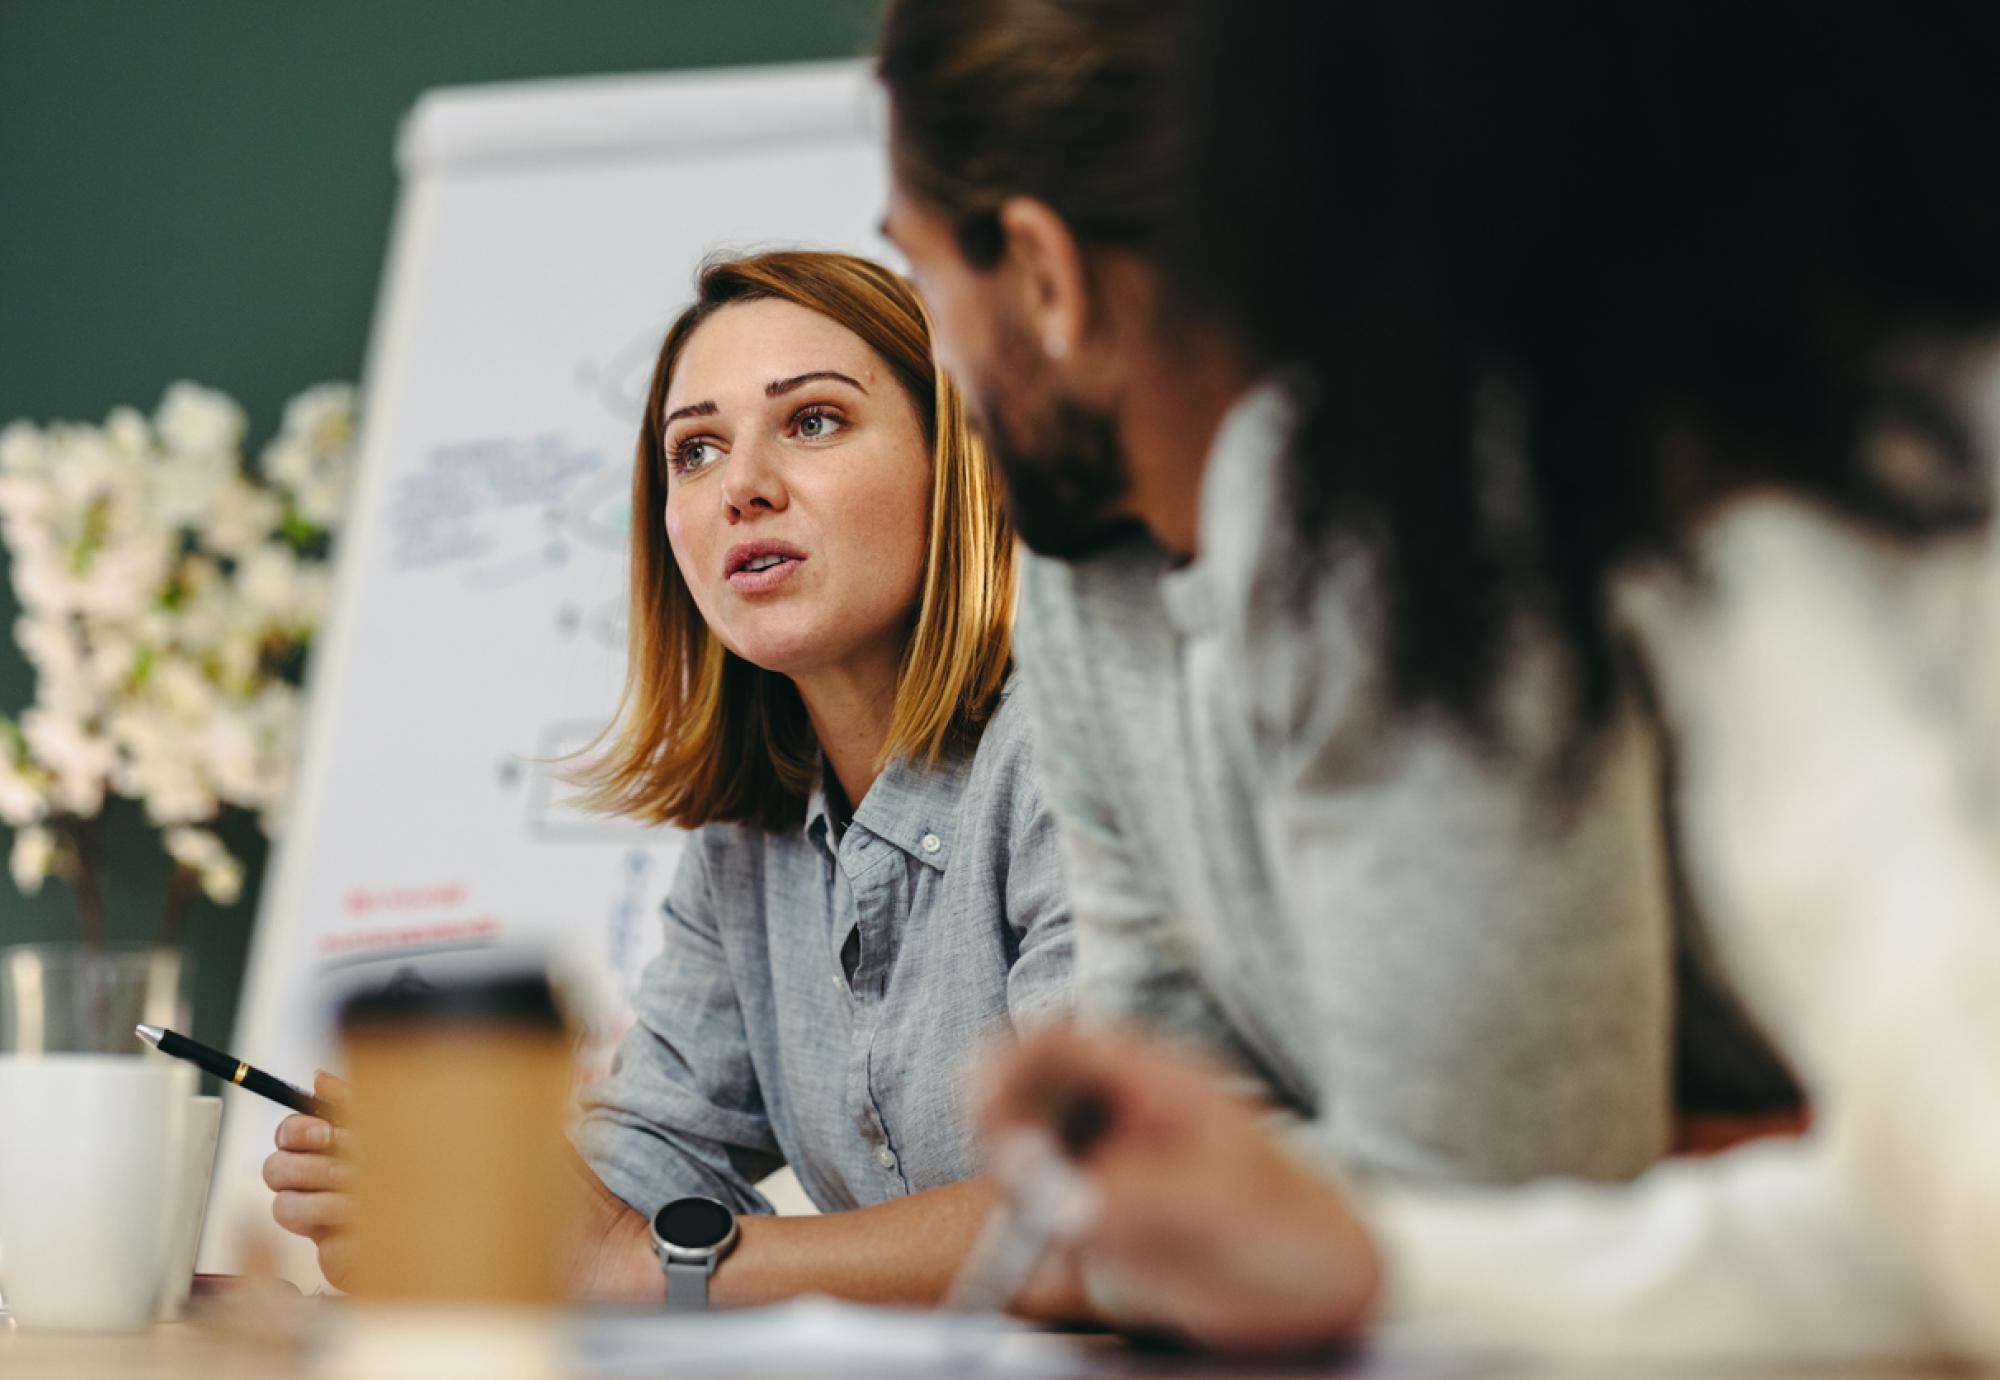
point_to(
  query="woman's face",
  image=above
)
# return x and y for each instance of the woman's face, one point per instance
(798, 491)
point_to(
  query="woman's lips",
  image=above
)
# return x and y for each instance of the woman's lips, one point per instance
(769, 578)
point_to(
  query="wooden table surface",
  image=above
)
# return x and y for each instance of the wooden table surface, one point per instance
(232, 1351)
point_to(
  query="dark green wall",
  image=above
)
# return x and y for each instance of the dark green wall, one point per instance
(202, 188)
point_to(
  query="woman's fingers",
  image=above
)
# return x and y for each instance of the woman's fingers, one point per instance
(313, 1215)
(331, 1090)
(336, 1259)
(308, 1173)
(311, 1136)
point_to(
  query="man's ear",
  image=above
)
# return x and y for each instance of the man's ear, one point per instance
(1055, 284)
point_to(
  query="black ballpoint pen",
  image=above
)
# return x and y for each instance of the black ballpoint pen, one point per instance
(230, 1069)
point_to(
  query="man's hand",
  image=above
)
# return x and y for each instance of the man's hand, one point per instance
(1203, 1224)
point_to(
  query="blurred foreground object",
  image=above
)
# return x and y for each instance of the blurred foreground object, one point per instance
(459, 1099)
(168, 592)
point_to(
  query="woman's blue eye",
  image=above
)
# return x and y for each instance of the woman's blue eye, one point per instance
(818, 425)
(691, 455)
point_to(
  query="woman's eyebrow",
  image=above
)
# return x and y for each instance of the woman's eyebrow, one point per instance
(778, 387)
(700, 409)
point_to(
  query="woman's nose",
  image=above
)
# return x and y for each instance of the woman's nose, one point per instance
(751, 482)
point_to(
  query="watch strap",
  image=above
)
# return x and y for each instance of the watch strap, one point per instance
(687, 1285)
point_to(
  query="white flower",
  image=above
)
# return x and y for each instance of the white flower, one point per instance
(172, 786)
(21, 447)
(77, 759)
(159, 767)
(287, 462)
(79, 793)
(24, 799)
(223, 883)
(247, 750)
(200, 851)
(65, 746)
(110, 663)
(199, 575)
(69, 696)
(239, 517)
(129, 511)
(280, 591)
(186, 486)
(42, 586)
(313, 592)
(23, 499)
(229, 751)
(322, 417)
(276, 716)
(204, 619)
(195, 848)
(122, 581)
(154, 578)
(268, 578)
(179, 684)
(129, 433)
(322, 499)
(193, 420)
(50, 644)
(141, 731)
(238, 655)
(312, 459)
(85, 467)
(34, 853)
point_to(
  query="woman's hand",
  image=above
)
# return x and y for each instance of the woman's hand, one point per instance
(312, 1172)
(1203, 1224)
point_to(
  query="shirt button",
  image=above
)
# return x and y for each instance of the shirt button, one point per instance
(886, 1157)
(838, 984)
(931, 843)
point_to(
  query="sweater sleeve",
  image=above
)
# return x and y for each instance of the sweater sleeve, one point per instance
(1831, 810)
(1753, 1254)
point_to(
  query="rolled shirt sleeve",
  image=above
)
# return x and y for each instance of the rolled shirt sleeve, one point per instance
(682, 1112)
(1039, 982)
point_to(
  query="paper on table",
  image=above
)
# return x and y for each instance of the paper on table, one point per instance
(824, 1337)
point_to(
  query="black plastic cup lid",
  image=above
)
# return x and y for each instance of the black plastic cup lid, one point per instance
(518, 1001)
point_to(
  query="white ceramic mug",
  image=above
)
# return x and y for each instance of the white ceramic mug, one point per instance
(92, 1157)
(191, 1204)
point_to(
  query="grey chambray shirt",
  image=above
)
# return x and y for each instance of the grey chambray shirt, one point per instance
(756, 1045)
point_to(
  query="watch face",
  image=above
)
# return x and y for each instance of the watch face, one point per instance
(693, 1224)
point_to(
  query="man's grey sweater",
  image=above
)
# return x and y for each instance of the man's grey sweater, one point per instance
(1451, 960)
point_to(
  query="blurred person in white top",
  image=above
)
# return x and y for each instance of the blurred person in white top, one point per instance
(1708, 299)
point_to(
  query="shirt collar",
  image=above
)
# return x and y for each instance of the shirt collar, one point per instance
(911, 806)
(1249, 443)
(819, 822)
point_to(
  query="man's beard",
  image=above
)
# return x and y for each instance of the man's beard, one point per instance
(1064, 471)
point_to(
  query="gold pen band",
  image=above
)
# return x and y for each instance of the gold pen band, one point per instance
(241, 1069)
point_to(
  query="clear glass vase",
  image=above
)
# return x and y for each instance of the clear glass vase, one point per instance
(85, 999)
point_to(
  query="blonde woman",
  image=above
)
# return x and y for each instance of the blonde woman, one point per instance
(822, 595)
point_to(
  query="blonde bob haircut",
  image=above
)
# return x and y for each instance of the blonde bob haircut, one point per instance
(703, 736)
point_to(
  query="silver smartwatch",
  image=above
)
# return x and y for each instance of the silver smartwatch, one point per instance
(691, 1235)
